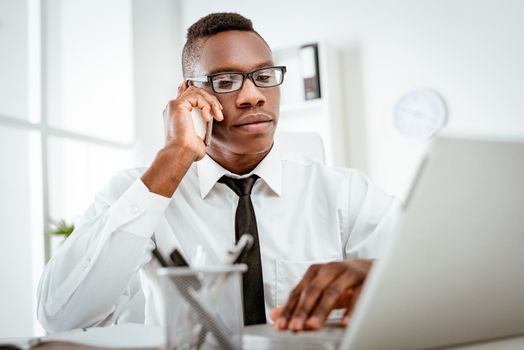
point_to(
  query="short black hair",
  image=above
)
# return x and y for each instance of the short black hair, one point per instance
(207, 26)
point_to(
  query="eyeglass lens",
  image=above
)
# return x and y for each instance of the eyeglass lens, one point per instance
(228, 82)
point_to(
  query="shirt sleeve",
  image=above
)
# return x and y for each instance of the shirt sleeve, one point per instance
(94, 272)
(370, 218)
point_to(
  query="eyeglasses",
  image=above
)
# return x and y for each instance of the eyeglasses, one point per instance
(222, 83)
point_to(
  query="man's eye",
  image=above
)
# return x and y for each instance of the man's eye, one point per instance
(224, 83)
(263, 77)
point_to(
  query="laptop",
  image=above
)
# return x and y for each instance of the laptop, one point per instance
(453, 272)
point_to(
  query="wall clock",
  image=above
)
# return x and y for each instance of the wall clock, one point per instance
(420, 114)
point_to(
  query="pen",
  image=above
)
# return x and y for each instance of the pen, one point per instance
(178, 259)
(243, 245)
(159, 258)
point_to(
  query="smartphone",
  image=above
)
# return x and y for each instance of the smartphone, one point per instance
(202, 129)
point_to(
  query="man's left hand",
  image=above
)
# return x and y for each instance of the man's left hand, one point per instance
(323, 288)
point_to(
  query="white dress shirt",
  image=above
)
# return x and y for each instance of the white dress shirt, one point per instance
(306, 213)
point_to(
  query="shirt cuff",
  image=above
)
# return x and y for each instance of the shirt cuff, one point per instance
(138, 210)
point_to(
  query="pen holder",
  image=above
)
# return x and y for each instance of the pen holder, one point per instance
(202, 307)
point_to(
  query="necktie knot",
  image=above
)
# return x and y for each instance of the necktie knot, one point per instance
(242, 187)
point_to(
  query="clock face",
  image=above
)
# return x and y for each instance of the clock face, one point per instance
(420, 114)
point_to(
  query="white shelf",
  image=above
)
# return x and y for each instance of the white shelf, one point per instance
(324, 115)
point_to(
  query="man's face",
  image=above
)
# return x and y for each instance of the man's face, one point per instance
(251, 113)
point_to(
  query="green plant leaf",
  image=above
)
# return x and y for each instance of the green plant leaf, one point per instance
(60, 227)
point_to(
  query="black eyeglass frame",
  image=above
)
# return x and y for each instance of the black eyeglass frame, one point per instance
(209, 78)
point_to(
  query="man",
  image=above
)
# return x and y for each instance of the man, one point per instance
(309, 217)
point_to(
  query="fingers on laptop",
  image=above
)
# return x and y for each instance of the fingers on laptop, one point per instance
(349, 311)
(323, 288)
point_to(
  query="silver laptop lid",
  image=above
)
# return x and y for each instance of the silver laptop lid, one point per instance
(454, 271)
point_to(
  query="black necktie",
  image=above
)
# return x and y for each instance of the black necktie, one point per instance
(246, 222)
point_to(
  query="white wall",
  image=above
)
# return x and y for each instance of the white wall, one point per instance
(13, 60)
(88, 90)
(471, 51)
(157, 69)
(19, 216)
(89, 67)
(17, 159)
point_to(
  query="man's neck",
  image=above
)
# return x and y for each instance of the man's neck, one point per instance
(239, 164)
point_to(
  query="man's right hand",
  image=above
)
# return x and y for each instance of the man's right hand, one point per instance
(178, 123)
(182, 145)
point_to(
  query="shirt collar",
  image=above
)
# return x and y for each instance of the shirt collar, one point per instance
(269, 169)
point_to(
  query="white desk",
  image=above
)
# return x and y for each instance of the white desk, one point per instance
(330, 338)
(513, 343)
(135, 336)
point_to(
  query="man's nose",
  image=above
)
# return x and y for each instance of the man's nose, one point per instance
(250, 95)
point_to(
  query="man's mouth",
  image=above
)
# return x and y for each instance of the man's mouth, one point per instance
(254, 123)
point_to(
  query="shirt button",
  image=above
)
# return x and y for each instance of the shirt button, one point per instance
(134, 209)
(85, 263)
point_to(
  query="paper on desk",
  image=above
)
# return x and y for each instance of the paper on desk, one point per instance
(129, 335)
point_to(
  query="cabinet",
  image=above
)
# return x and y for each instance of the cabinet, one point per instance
(323, 115)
